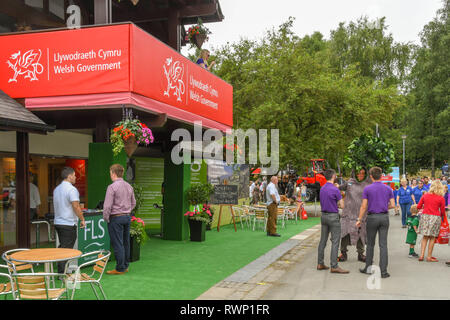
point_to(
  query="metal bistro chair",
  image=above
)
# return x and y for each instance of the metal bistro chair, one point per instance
(242, 214)
(7, 287)
(99, 265)
(34, 286)
(281, 216)
(291, 212)
(14, 266)
(38, 223)
(259, 215)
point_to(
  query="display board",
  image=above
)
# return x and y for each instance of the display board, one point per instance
(149, 175)
(225, 194)
(219, 173)
(94, 236)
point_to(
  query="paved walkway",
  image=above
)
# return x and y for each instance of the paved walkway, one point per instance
(288, 272)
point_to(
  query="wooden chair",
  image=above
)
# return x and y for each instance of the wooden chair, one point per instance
(7, 287)
(281, 216)
(34, 286)
(98, 264)
(260, 216)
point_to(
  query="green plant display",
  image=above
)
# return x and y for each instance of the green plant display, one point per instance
(367, 152)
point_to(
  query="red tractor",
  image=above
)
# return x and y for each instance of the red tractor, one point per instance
(314, 179)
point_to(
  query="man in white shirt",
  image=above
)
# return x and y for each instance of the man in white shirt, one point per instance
(35, 200)
(252, 187)
(66, 202)
(273, 199)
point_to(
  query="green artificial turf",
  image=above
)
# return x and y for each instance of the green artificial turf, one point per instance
(176, 270)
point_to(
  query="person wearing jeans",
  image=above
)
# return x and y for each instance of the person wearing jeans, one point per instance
(119, 202)
(405, 198)
(330, 198)
(377, 200)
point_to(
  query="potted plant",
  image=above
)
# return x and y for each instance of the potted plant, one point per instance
(197, 34)
(138, 236)
(199, 194)
(128, 134)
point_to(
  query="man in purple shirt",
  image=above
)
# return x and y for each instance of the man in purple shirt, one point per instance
(377, 200)
(119, 202)
(330, 198)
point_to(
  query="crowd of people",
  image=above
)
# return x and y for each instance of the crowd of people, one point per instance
(365, 213)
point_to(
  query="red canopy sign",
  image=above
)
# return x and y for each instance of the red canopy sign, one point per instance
(106, 59)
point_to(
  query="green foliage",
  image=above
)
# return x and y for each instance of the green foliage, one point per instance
(425, 120)
(199, 193)
(367, 152)
(138, 195)
(289, 83)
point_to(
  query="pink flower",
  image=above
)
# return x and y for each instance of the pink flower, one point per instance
(146, 141)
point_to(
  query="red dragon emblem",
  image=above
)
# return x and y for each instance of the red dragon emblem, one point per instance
(27, 64)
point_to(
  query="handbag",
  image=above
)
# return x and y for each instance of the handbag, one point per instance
(304, 214)
(444, 232)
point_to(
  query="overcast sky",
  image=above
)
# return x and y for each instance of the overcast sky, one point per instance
(251, 18)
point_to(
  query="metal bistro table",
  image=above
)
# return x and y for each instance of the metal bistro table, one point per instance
(47, 256)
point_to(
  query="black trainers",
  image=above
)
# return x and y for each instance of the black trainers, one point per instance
(385, 275)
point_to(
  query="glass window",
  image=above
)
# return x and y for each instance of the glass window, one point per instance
(8, 230)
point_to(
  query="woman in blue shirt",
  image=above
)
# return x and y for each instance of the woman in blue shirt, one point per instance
(418, 192)
(203, 60)
(405, 199)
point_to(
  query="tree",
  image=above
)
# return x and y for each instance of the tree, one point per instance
(425, 121)
(290, 83)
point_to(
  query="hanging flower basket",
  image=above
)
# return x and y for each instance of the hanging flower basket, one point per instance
(129, 134)
(199, 39)
(197, 34)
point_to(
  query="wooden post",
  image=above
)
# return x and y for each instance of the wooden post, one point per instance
(232, 215)
(22, 191)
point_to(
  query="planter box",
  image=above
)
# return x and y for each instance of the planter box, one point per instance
(135, 250)
(197, 230)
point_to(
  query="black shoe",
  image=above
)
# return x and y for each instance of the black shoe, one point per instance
(364, 271)
(274, 235)
(385, 275)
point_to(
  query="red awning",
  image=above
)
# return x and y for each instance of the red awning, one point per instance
(129, 99)
(257, 171)
(115, 64)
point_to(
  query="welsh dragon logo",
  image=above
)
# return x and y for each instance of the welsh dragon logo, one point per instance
(174, 72)
(26, 64)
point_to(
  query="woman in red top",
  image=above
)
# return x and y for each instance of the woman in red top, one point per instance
(433, 205)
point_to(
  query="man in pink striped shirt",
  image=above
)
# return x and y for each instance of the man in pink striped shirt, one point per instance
(119, 202)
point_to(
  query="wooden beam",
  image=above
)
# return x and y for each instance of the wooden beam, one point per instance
(30, 15)
(147, 14)
(174, 30)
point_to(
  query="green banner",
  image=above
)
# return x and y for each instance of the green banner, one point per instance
(199, 172)
(93, 237)
(150, 176)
